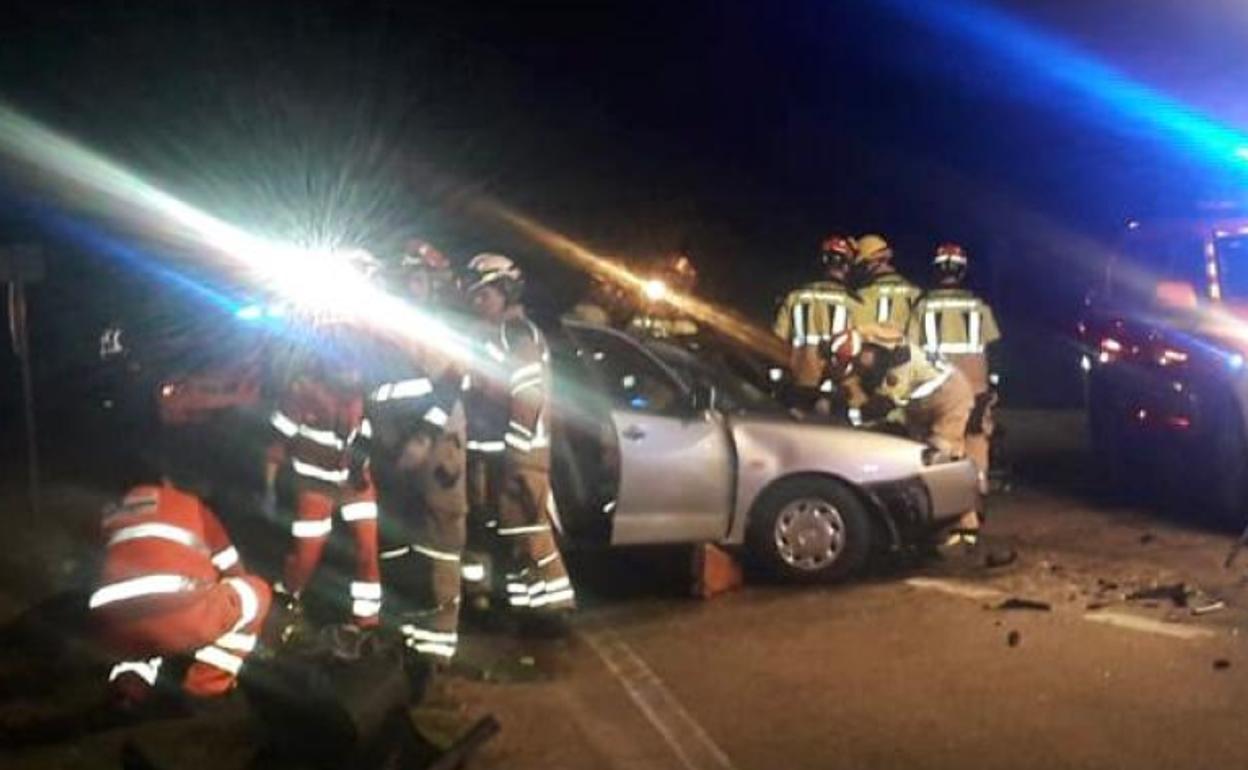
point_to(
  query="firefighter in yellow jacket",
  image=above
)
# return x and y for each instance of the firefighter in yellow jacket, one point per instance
(896, 381)
(813, 314)
(887, 297)
(509, 440)
(950, 321)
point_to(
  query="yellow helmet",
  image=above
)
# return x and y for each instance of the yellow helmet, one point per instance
(873, 248)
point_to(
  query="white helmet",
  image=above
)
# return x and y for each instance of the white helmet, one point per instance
(487, 269)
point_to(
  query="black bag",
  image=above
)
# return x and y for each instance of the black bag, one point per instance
(332, 701)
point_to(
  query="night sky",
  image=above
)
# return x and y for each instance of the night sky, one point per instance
(743, 130)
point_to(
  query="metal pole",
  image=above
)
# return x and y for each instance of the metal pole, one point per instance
(21, 342)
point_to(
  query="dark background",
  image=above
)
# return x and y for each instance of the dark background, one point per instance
(743, 130)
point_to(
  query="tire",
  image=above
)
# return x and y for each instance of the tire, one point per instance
(835, 521)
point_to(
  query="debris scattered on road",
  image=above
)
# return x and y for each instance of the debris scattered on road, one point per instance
(1175, 593)
(1019, 603)
(1000, 558)
(1213, 605)
(1221, 664)
(1013, 639)
(1147, 538)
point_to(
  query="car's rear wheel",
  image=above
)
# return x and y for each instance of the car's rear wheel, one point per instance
(810, 530)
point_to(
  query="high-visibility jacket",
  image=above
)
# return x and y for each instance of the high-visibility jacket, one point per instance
(957, 325)
(887, 300)
(161, 542)
(322, 430)
(509, 410)
(808, 319)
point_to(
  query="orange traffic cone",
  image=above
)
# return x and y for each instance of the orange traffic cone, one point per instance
(715, 571)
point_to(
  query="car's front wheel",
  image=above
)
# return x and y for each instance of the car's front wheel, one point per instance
(810, 530)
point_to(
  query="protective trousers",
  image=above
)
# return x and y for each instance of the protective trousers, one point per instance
(940, 419)
(217, 626)
(979, 431)
(425, 508)
(315, 505)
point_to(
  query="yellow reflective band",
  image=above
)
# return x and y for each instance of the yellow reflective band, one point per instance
(284, 425)
(549, 558)
(394, 553)
(326, 438)
(425, 635)
(473, 573)
(974, 324)
(365, 608)
(488, 447)
(147, 670)
(237, 642)
(528, 529)
(437, 416)
(435, 554)
(518, 442)
(932, 385)
(361, 511)
(157, 530)
(434, 648)
(311, 527)
(324, 474)
(884, 309)
(366, 428)
(930, 330)
(840, 319)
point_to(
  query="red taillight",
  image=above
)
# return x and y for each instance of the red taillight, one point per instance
(1111, 345)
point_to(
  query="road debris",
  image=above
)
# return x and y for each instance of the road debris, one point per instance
(1147, 538)
(1019, 603)
(1221, 664)
(1214, 605)
(1176, 593)
(1013, 639)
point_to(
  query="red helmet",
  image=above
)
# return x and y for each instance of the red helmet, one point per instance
(950, 263)
(837, 251)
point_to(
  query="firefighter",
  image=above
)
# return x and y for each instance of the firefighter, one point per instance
(660, 316)
(427, 271)
(173, 586)
(417, 460)
(887, 297)
(319, 454)
(950, 321)
(509, 440)
(813, 314)
(895, 381)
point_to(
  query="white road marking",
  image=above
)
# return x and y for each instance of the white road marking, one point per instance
(687, 739)
(1148, 625)
(955, 588)
(1107, 617)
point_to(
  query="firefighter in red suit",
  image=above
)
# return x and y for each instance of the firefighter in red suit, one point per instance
(173, 585)
(320, 454)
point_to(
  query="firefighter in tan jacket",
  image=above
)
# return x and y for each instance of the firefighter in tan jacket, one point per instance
(887, 297)
(953, 323)
(886, 378)
(815, 313)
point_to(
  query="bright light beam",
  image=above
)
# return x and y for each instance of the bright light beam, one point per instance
(312, 277)
(1047, 60)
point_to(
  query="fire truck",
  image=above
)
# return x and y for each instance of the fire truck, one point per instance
(1164, 338)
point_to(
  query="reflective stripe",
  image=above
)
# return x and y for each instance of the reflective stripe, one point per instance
(826, 386)
(219, 658)
(473, 573)
(437, 416)
(284, 425)
(525, 372)
(524, 431)
(466, 383)
(157, 530)
(495, 352)
(365, 608)
(517, 442)
(529, 529)
(486, 446)
(557, 584)
(247, 597)
(237, 642)
(951, 304)
(416, 632)
(361, 511)
(324, 474)
(884, 309)
(974, 324)
(365, 590)
(434, 648)
(799, 324)
(930, 331)
(855, 416)
(548, 559)
(143, 586)
(535, 382)
(225, 558)
(959, 348)
(394, 553)
(393, 391)
(311, 527)
(435, 554)
(366, 428)
(326, 438)
(147, 670)
(840, 319)
(932, 385)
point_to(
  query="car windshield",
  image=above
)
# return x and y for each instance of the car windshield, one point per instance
(1151, 257)
(732, 393)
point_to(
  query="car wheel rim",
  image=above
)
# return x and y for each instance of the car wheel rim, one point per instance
(810, 534)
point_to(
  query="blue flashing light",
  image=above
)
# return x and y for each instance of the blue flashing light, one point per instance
(1046, 62)
(1235, 361)
(249, 312)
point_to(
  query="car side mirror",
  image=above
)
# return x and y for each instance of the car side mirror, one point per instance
(1176, 295)
(704, 397)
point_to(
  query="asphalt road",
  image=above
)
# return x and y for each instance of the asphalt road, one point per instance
(917, 666)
